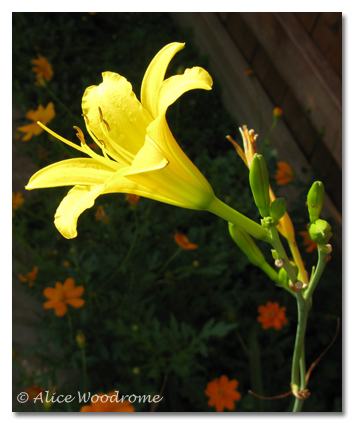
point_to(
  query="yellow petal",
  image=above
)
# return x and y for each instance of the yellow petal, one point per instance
(78, 199)
(149, 158)
(159, 131)
(70, 172)
(172, 88)
(154, 75)
(172, 181)
(126, 119)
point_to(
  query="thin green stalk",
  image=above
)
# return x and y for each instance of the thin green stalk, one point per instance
(323, 252)
(277, 245)
(169, 260)
(266, 142)
(298, 374)
(224, 211)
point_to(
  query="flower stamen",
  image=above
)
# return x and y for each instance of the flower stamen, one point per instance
(80, 135)
(125, 156)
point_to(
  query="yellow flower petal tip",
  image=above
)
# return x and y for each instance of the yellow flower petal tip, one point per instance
(139, 154)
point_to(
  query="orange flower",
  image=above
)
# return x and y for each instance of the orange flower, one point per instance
(284, 174)
(29, 277)
(17, 201)
(311, 246)
(43, 68)
(132, 199)
(272, 316)
(108, 403)
(101, 215)
(41, 114)
(222, 393)
(62, 295)
(184, 242)
(34, 391)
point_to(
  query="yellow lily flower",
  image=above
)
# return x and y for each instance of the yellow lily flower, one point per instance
(139, 153)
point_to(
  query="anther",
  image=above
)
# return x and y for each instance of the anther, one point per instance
(108, 127)
(101, 116)
(102, 120)
(80, 134)
(102, 142)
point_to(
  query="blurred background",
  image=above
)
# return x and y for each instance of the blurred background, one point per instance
(159, 318)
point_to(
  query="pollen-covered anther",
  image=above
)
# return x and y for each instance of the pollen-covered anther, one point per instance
(102, 142)
(102, 120)
(80, 134)
(106, 123)
(101, 116)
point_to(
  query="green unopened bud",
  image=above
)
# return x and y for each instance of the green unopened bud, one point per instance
(247, 245)
(278, 208)
(320, 232)
(283, 276)
(259, 183)
(315, 200)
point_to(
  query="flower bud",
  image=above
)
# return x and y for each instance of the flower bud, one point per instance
(278, 208)
(283, 276)
(320, 232)
(247, 245)
(259, 183)
(315, 200)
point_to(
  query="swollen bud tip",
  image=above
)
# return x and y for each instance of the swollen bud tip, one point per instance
(320, 232)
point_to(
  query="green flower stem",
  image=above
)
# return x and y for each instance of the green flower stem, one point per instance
(267, 138)
(323, 252)
(169, 260)
(298, 260)
(222, 210)
(298, 374)
(274, 239)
